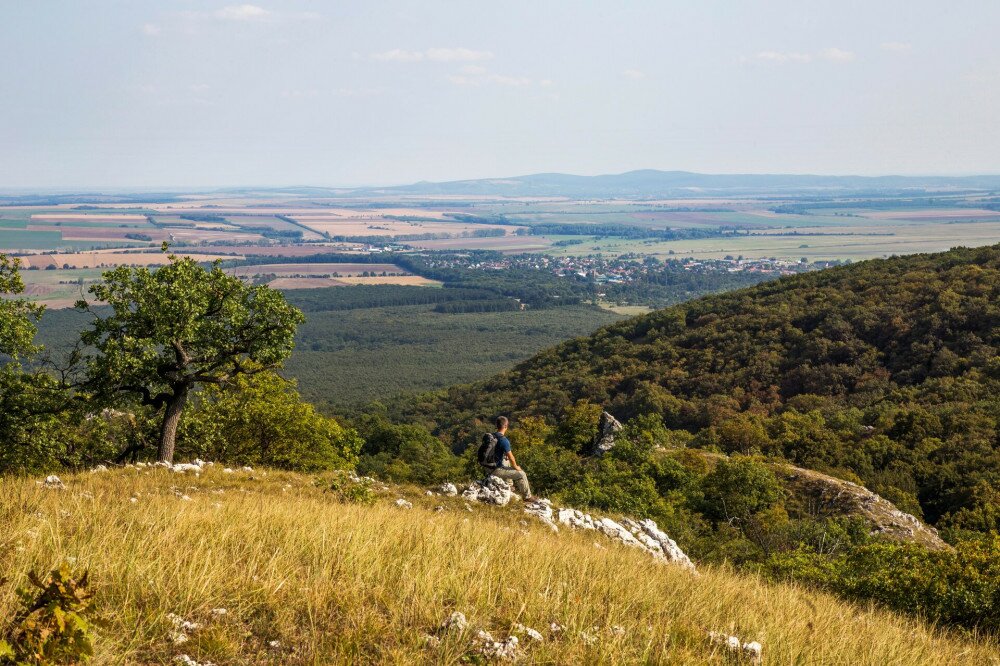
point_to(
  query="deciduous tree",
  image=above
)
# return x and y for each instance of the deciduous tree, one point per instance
(179, 326)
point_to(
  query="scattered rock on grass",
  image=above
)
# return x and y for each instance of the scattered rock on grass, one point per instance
(490, 491)
(403, 504)
(529, 632)
(505, 650)
(751, 652)
(448, 489)
(455, 622)
(54, 482)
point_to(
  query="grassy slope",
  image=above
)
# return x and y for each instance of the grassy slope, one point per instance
(341, 583)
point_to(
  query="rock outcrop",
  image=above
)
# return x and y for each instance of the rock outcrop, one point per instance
(607, 429)
(492, 490)
(828, 495)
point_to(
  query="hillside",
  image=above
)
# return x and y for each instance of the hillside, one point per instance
(883, 372)
(651, 183)
(324, 580)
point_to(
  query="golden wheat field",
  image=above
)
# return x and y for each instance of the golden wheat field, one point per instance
(304, 579)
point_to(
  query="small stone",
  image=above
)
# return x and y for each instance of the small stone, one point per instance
(455, 622)
(403, 504)
(54, 482)
(448, 489)
(529, 632)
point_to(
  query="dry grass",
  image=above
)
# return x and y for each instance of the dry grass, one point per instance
(347, 584)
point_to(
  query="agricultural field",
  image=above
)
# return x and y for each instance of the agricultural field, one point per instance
(247, 224)
(312, 276)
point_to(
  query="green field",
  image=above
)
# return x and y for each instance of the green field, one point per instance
(19, 238)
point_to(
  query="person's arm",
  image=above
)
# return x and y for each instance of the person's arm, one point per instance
(513, 463)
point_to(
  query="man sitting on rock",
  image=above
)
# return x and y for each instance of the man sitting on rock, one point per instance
(506, 466)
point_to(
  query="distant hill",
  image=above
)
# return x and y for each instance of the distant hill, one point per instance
(650, 183)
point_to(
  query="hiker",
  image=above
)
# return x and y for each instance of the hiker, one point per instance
(502, 463)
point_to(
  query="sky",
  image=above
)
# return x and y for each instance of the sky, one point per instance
(200, 94)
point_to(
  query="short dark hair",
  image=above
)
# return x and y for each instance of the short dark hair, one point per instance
(501, 422)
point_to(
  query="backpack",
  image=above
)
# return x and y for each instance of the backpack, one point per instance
(486, 455)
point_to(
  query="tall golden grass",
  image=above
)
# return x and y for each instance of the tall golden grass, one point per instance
(307, 580)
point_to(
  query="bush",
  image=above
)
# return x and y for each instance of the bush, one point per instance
(261, 420)
(406, 454)
(53, 626)
(738, 488)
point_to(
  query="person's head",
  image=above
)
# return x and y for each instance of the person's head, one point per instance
(502, 424)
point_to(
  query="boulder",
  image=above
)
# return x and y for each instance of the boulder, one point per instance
(448, 489)
(489, 491)
(607, 428)
(657, 541)
(542, 509)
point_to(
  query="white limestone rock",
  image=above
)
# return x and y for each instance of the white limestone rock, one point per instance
(455, 622)
(491, 491)
(607, 429)
(448, 489)
(54, 482)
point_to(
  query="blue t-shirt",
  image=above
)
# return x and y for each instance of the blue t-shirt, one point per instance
(503, 448)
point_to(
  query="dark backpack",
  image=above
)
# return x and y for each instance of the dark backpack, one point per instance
(486, 455)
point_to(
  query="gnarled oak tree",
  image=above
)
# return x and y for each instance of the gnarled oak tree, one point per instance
(179, 326)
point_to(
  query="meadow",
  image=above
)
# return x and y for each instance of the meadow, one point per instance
(271, 567)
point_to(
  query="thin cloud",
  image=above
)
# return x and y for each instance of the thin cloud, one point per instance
(150, 29)
(247, 13)
(437, 54)
(832, 54)
(242, 13)
(634, 74)
(896, 47)
(838, 55)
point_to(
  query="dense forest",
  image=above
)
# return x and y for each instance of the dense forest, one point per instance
(888, 369)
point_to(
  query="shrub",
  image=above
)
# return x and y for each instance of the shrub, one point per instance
(261, 420)
(54, 625)
(738, 488)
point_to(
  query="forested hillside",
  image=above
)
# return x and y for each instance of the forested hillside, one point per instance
(887, 370)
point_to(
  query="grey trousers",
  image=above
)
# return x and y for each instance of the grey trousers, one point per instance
(520, 479)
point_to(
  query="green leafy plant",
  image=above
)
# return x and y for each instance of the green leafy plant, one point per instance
(54, 623)
(353, 492)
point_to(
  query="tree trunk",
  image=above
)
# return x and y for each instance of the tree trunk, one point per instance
(168, 431)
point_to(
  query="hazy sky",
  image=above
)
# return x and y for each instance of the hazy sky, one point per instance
(133, 93)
